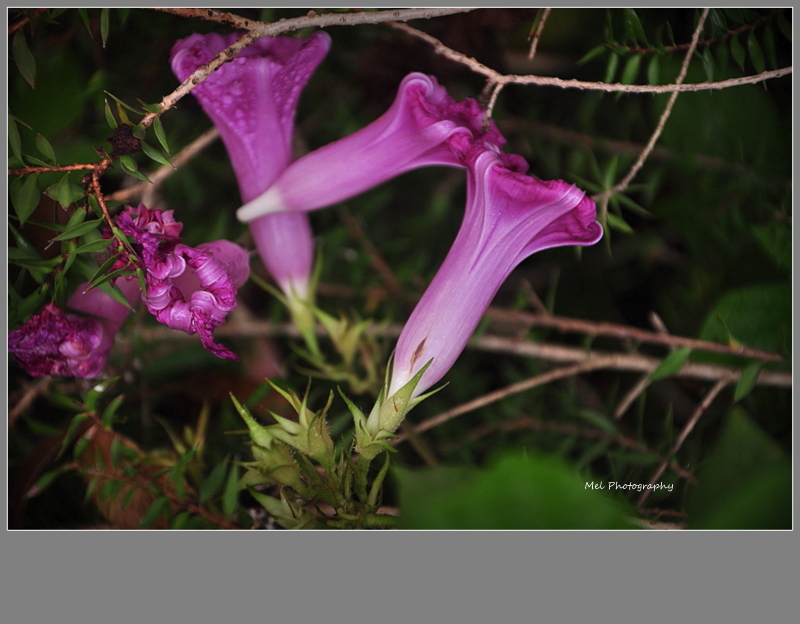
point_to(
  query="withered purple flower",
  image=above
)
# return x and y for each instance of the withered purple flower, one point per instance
(63, 344)
(190, 289)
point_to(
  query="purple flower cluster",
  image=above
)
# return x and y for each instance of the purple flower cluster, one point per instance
(252, 100)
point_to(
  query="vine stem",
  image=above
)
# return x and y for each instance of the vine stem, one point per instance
(256, 30)
(548, 81)
(626, 362)
(538, 33)
(623, 184)
(687, 429)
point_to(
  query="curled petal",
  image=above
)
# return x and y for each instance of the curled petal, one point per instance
(198, 300)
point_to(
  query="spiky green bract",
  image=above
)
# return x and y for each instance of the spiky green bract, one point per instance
(274, 461)
(289, 514)
(309, 434)
(373, 433)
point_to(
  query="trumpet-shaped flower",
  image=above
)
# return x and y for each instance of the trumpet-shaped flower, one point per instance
(59, 343)
(509, 216)
(190, 289)
(252, 101)
(424, 126)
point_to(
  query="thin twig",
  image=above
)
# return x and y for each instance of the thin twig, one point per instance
(623, 184)
(547, 81)
(704, 42)
(535, 424)
(538, 34)
(516, 388)
(377, 261)
(32, 390)
(162, 173)
(704, 405)
(626, 332)
(256, 30)
(625, 362)
(639, 387)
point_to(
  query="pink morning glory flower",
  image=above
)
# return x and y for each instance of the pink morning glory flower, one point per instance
(424, 126)
(252, 101)
(509, 216)
(190, 289)
(63, 344)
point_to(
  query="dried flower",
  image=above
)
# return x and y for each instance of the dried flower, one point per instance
(190, 289)
(59, 343)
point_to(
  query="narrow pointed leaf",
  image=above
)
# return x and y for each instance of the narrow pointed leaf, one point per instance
(672, 364)
(23, 58)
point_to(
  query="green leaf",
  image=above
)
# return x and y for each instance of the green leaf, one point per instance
(28, 198)
(748, 380)
(68, 193)
(515, 492)
(708, 64)
(45, 148)
(672, 364)
(158, 127)
(139, 131)
(104, 26)
(100, 244)
(14, 138)
(213, 482)
(79, 230)
(737, 52)
(23, 58)
(743, 482)
(611, 68)
(155, 154)
(769, 46)
(129, 166)
(756, 54)
(85, 17)
(595, 51)
(160, 507)
(631, 69)
(230, 499)
(110, 412)
(758, 316)
(151, 108)
(112, 122)
(633, 27)
(653, 70)
(618, 223)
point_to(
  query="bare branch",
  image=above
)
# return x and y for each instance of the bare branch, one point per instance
(538, 33)
(548, 81)
(163, 172)
(704, 405)
(623, 184)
